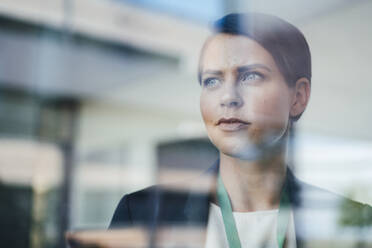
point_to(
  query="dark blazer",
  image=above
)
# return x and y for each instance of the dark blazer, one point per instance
(322, 218)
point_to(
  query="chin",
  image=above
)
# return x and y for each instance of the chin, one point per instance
(240, 150)
(249, 150)
(251, 154)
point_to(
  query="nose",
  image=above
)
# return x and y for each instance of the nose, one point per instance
(231, 98)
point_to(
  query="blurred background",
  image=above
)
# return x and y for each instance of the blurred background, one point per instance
(99, 98)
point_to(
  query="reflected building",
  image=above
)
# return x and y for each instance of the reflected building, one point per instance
(100, 98)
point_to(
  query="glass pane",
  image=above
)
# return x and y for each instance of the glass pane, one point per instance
(129, 123)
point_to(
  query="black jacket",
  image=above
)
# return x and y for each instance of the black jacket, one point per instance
(321, 218)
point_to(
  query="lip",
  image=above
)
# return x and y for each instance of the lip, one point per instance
(231, 124)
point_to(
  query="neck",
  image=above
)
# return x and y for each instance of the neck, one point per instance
(253, 185)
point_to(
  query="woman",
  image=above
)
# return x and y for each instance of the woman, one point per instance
(255, 74)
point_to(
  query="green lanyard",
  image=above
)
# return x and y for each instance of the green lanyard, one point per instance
(229, 222)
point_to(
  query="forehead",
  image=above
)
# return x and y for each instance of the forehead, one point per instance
(226, 51)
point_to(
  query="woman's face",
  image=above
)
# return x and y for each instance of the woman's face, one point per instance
(245, 102)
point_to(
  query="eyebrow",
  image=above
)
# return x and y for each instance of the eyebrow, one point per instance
(240, 69)
(253, 66)
(213, 72)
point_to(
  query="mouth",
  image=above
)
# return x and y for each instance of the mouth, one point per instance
(231, 121)
(231, 124)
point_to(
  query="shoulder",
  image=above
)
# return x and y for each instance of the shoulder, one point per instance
(175, 203)
(306, 195)
(314, 196)
(321, 213)
(131, 205)
(157, 203)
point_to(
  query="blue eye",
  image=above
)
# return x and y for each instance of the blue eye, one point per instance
(211, 82)
(249, 76)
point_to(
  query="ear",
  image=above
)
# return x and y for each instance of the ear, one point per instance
(301, 97)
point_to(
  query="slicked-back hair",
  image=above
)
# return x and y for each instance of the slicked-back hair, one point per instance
(286, 44)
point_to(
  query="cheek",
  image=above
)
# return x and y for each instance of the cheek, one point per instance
(271, 108)
(207, 108)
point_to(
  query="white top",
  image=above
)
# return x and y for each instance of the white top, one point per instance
(255, 229)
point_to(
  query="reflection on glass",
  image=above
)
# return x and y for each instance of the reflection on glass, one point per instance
(100, 99)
